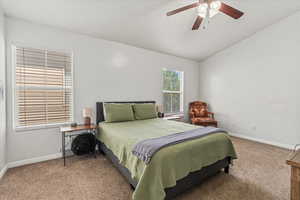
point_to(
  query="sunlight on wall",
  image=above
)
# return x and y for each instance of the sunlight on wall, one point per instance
(120, 60)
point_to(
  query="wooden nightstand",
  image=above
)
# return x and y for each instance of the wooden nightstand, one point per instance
(69, 131)
(294, 162)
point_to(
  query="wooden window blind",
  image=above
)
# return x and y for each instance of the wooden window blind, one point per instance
(43, 87)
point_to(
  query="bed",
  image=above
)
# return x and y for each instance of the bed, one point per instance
(173, 169)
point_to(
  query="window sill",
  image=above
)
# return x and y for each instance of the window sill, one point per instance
(40, 127)
(174, 116)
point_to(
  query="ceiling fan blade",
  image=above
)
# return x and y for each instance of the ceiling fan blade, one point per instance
(230, 11)
(197, 23)
(173, 12)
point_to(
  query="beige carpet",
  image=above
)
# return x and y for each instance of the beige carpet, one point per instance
(260, 173)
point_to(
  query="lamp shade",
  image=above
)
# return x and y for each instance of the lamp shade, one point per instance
(159, 108)
(87, 112)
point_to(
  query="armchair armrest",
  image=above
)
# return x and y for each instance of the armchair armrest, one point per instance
(212, 114)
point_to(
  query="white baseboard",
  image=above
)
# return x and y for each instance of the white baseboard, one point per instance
(285, 146)
(33, 160)
(3, 171)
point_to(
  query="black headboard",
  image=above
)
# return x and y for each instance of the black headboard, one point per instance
(99, 108)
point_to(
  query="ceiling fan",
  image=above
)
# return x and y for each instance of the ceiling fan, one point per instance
(207, 9)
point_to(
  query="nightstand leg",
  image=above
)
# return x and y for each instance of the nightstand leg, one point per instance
(63, 148)
(295, 183)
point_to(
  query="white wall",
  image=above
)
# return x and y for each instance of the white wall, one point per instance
(2, 97)
(253, 86)
(103, 71)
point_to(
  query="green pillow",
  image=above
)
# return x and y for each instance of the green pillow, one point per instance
(118, 112)
(144, 111)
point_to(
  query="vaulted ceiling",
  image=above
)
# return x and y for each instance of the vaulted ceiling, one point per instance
(143, 23)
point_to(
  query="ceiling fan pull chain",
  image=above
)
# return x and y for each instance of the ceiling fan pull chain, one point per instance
(205, 24)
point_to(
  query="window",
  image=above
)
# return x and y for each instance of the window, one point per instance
(172, 91)
(43, 87)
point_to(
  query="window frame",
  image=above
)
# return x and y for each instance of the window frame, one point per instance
(181, 92)
(16, 126)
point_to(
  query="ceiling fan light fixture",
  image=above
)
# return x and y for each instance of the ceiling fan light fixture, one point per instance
(202, 9)
(214, 8)
(215, 5)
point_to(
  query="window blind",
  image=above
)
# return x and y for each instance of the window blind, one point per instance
(43, 87)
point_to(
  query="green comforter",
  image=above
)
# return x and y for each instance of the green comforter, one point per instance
(169, 164)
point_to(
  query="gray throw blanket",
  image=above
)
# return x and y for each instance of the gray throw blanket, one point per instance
(146, 149)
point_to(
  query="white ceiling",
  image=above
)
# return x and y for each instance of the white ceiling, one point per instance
(143, 23)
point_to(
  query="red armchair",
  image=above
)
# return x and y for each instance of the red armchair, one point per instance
(199, 114)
